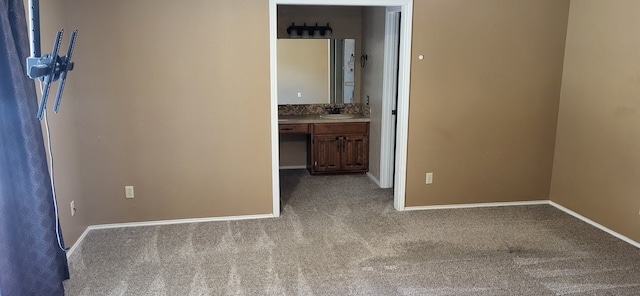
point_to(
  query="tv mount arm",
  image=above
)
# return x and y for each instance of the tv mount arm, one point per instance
(50, 67)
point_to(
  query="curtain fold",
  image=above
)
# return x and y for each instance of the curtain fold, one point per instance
(31, 263)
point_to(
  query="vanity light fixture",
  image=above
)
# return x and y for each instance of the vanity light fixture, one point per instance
(49, 67)
(309, 31)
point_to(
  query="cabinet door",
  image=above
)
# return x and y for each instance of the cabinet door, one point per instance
(355, 153)
(326, 153)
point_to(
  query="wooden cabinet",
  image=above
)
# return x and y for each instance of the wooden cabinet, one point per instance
(339, 148)
(293, 128)
(334, 147)
(326, 154)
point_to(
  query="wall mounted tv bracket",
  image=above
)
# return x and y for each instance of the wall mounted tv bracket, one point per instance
(49, 67)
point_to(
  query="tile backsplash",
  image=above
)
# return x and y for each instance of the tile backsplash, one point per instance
(320, 109)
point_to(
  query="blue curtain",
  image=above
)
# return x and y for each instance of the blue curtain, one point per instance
(31, 263)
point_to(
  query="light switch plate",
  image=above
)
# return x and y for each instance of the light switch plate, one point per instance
(128, 192)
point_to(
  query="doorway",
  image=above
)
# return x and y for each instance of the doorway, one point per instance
(399, 159)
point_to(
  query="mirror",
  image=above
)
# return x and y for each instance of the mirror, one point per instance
(316, 71)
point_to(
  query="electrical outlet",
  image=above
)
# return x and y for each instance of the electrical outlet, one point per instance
(128, 192)
(299, 95)
(73, 208)
(429, 178)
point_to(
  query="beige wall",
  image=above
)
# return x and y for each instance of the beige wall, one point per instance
(345, 21)
(173, 99)
(484, 101)
(303, 68)
(373, 21)
(596, 165)
(293, 151)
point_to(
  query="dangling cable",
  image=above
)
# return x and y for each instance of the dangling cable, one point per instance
(51, 175)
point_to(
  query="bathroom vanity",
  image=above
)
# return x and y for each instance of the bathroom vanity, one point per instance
(335, 145)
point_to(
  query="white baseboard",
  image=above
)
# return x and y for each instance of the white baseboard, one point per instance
(416, 208)
(478, 205)
(162, 222)
(374, 179)
(595, 224)
(528, 203)
(77, 243)
(179, 221)
(293, 167)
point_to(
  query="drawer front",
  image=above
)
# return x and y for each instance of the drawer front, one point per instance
(340, 128)
(297, 128)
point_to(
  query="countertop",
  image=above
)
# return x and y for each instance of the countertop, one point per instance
(315, 118)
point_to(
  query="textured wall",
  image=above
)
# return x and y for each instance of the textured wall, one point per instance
(596, 165)
(484, 101)
(172, 98)
(373, 21)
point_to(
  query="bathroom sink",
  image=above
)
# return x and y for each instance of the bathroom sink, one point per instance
(337, 116)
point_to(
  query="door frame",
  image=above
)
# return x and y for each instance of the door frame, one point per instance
(406, 8)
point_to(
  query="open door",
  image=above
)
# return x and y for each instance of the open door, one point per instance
(390, 97)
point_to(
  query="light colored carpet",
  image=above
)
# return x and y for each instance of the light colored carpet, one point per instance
(339, 235)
